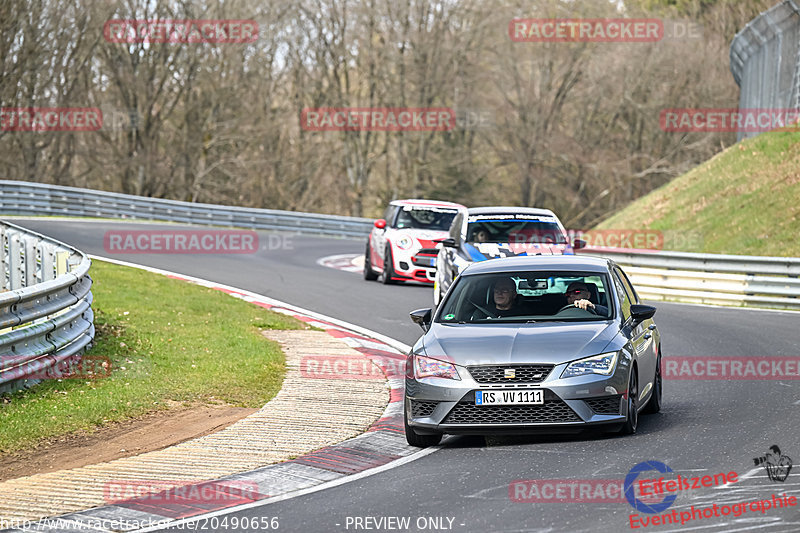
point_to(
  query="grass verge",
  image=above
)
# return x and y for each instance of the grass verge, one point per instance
(169, 342)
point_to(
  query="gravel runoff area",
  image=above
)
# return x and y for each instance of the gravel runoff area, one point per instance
(311, 411)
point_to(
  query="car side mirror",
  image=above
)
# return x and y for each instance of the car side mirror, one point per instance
(578, 244)
(422, 317)
(449, 243)
(640, 313)
(380, 223)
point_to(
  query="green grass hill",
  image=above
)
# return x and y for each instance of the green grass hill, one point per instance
(744, 201)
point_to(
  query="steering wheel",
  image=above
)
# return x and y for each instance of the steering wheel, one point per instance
(573, 306)
(488, 313)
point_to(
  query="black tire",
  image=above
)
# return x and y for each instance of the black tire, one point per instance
(388, 270)
(632, 420)
(369, 274)
(420, 441)
(654, 404)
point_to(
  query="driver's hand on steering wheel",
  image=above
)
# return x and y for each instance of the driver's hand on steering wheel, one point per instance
(584, 304)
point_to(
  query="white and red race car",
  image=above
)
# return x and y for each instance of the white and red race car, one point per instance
(402, 245)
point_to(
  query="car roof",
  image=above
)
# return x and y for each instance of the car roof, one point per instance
(426, 203)
(538, 262)
(508, 210)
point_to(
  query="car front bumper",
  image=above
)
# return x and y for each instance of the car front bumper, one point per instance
(437, 405)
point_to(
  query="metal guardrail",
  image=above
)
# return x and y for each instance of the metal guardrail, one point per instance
(711, 278)
(46, 319)
(26, 198)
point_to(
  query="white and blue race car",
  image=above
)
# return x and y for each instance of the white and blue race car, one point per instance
(482, 233)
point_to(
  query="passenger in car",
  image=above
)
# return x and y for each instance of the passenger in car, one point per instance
(578, 294)
(480, 235)
(504, 301)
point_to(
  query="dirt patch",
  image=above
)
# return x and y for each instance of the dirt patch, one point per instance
(148, 433)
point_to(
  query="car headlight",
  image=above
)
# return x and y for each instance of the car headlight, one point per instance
(405, 242)
(603, 364)
(425, 367)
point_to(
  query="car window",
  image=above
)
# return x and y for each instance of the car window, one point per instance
(513, 229)
(425, 218)
(624, 296)
(388, 215)
(527, 296)
(628, 285)
(455, 227)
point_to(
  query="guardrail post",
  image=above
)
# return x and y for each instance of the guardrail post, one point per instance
(3, 260)
(44, 250)
(14, 261)
(48, 260)
(30, 261)
(62, 262)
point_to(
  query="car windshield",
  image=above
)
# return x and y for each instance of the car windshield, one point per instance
(515, 229)
(527, 296)
(432, 218)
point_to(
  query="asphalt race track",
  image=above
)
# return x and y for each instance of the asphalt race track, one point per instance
(706, 427)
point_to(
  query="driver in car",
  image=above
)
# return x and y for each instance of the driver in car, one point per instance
(504, 298)
(578, 295)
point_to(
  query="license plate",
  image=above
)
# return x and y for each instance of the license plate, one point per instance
(426, 261)
(509, 397)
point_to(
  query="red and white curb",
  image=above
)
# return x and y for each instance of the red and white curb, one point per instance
(382, 447)
(344, 262)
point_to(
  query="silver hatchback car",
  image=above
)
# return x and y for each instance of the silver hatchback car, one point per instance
(550, 344)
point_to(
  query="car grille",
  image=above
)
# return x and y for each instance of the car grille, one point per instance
(607, 405)
(419, 408)
(425, 257)
(550, 412)
(523, 373)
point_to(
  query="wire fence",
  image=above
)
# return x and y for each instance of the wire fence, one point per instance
(765, 60)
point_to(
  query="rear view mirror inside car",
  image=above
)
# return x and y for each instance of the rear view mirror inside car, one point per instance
(533, 284)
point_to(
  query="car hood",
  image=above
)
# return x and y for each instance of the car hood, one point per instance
(425, 238)
(481, 251)
(545, 342)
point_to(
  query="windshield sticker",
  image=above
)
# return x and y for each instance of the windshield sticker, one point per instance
(426, 208)
(503, 218)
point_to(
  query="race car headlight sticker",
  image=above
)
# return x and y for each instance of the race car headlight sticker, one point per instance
(603, 364)
(405, 242)
(425, 367)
